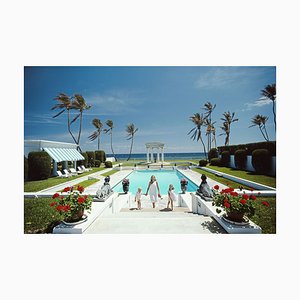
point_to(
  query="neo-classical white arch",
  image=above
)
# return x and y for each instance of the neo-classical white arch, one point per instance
(159, 147)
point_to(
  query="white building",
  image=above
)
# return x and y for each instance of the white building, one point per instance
(158, 148)
(58, 151)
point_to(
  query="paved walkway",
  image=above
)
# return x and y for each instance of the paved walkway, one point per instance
(158, 220)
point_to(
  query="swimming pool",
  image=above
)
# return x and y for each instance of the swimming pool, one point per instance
(141, 178)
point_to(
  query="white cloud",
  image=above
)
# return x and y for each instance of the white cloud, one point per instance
(114, 102)
(226, 76)
(263, 101)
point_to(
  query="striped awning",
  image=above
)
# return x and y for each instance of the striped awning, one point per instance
(64, 154)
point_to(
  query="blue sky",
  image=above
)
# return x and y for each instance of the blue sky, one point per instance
(158, 100)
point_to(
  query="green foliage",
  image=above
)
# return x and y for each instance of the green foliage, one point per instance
(97, 163)
(261, 161)
(85, 161)
(39, 217)
(271, 146)
(39, 165)
(213, 153)
(91, 158)
(240, 159)
(215, 161)
(100, 155)
(225, 158)
(108, 164)
(25, 168)
(202, 162)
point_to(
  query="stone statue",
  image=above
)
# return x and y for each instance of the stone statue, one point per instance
(204, 191)
(104, 192)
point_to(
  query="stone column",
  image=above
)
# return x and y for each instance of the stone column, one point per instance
(152, 160)
(54, 171)
(147, 155)
(158, 155)
(162, 154)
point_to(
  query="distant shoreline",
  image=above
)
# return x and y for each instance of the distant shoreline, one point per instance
(167, 156)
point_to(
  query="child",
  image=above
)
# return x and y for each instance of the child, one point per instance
(171, 196)
(138, 197)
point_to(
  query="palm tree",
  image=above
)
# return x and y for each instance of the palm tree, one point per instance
(131, 130)
(209, 109)
(96, 134)
(260, 121)
(228, 119)
(269, 92)
(79, 104)
(110, 125)
(199, 121)
(65, 104)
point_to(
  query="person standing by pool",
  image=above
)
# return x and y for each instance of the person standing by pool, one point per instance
(153, 189)
(171, 196)
(138, 197)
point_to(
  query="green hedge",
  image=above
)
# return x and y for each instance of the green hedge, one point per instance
(39, 165)
(213, 153)
(91, 158)
(225, 158)
(261, 161)
(270, 146)
(97, 163)
(240, 159)
(202, 162)
(25, 168)
(100, 155)
(215, 161)
(108, 164)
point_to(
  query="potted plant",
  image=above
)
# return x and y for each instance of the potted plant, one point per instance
(236, 206)
(183, 185)
(71, 203)
(125, 184)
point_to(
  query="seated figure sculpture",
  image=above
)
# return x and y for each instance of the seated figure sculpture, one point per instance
(204, 191)
(104, 192)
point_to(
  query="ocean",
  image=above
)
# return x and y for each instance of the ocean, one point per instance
(167, 156)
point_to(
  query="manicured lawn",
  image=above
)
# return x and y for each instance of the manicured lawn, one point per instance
(38, 185)
(109, 173)
(263, 179)
(265, 217)
(225, 181)
(39, 216)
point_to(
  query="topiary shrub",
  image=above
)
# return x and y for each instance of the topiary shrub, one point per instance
(108, 164)
(213, 153)
(97, 163)
(25, 168)
(240, 159)
(203, 162)
(261, 161)
(215, 162)
(85, 161)
(39, 165)
(91, 158)
(225, 158)
(100, 155)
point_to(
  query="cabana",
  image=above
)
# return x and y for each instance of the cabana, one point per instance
(58, 151)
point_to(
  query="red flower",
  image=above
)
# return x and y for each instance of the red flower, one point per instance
(265, 203)
(59, 207)
(66, 207)
(61, 197)
(252, 197)
(259, 193)
(56, 195)
(226, 204)
(245, 196)
(80, 200)
(85, 197)
(234, 194)
(243, 201)
(67, 189)
(216, 187)
(52, 203)
(80, 188)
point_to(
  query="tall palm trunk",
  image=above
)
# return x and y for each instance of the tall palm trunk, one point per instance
(69, 128)
(112, 146)
(262, 133)
(130, 149)
(205, 154)
(274, 114)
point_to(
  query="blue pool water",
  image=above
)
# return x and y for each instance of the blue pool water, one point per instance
(163, 177)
